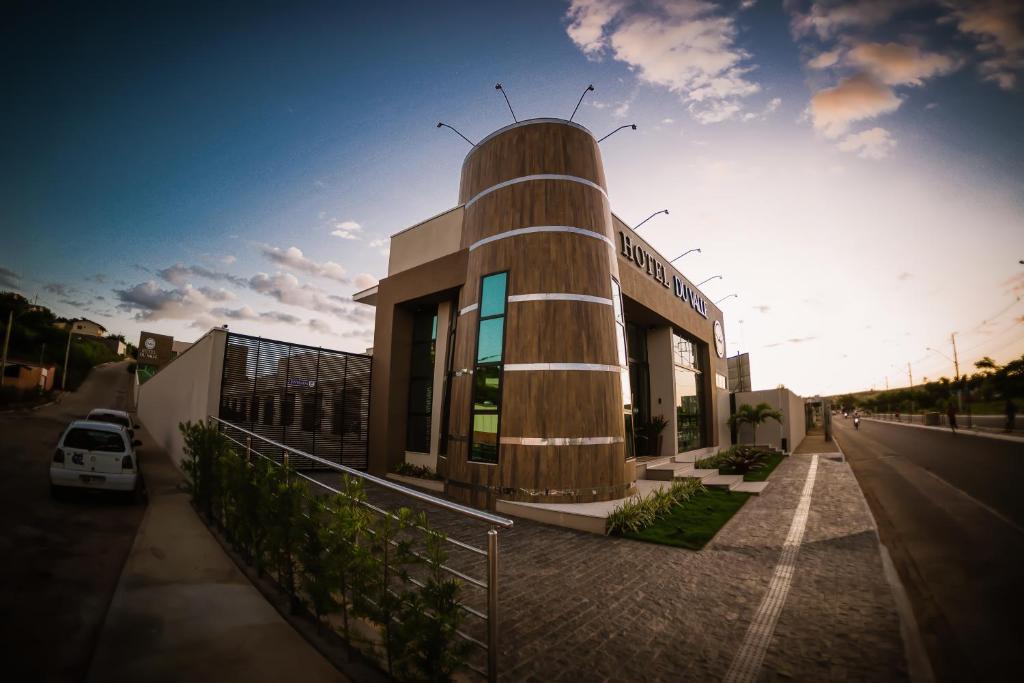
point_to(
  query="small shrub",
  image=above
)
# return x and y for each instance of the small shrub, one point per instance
(407, 469)
(743, 459)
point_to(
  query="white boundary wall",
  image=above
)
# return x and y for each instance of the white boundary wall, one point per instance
(187, 388)
(793, 427)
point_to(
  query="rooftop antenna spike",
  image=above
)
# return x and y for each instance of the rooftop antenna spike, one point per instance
(628, 125)
(442, 123)
(497, 86)
(589, 88)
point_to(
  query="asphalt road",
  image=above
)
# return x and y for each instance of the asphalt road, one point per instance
(950, 510)
(61, 561)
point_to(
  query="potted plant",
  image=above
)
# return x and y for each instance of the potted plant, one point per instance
(651, 432)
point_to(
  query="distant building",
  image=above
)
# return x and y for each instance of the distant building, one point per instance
(117, 346)
(89, 328)
(25, 375)
(179, 347)
(739, 372)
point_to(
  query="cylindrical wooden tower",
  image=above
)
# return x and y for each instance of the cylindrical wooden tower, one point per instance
(539, 358)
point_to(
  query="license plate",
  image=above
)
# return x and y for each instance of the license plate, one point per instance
(91, 478)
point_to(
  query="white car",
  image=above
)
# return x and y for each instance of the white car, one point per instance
(117, 417)
(95, 455)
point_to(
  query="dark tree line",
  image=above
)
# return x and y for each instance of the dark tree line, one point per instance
(991, 383)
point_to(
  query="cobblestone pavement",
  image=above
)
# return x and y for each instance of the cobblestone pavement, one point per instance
(581, 607)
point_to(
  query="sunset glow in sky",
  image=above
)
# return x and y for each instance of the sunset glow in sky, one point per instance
(853, 170)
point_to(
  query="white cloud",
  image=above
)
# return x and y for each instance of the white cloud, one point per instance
(587, 21)
(179, 274)
(149, 302)
(686, 46)
(383, 244)
(875, 143)
(287, 289)
(347, 230)
(998, 26)
(825, 59)
(859, 97)
(667, 121)
(895, 64)
(828, 17)
(228, 259)
(320, 326)
(364, 281)
(293, 258)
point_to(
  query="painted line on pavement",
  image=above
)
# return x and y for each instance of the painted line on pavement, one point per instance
(747, 663)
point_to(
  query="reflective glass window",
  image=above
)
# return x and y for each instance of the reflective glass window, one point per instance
(492, 295)
(489, 345)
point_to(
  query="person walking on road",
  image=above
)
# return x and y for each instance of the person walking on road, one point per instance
(1011, 415)
(951, 414)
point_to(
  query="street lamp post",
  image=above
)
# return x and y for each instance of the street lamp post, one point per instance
(664, 211)
(688, 251)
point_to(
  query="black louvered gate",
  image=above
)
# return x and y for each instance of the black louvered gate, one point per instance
(316, 400)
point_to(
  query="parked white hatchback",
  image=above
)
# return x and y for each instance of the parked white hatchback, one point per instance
(95, 455)
(118, 417)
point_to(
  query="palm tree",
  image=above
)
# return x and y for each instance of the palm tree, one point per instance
(754, 416)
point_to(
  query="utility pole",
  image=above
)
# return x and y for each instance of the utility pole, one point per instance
(956, 367)
(7, 339)
(67, 352)
(910, 374)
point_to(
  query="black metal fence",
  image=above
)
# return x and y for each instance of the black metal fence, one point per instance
(311, 399)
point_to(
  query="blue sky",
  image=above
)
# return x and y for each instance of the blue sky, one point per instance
(853, 170)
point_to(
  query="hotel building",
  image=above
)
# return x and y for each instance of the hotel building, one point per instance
(525, 339)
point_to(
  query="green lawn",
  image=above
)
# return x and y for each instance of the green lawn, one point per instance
(760, 474)
(695, 522)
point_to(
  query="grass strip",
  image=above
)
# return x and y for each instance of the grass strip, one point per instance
(693, 523)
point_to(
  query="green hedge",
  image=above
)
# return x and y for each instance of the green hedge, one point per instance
(333, 555)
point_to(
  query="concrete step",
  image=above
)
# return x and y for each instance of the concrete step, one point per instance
(754, 487)
(692, 472)
(666, 471)
(723, 481)
(686, 457)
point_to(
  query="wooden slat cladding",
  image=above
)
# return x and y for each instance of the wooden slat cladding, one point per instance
(544, 262)
(530, 150)
(562, 403)
(557, 335)
(541, 403)
(537, 202)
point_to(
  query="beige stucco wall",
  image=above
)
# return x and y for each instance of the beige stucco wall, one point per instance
(771, 432)
(187, 388)
(426, 241)
(662, 379)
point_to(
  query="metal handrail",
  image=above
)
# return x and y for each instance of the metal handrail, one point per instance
(463, 510)
(494, 521)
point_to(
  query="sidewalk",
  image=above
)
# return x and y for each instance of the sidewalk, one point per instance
(184, 612)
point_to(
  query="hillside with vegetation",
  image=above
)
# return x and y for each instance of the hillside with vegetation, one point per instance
(37, 335)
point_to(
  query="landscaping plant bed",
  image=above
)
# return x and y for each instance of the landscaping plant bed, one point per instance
(695, 522)
(768, 465)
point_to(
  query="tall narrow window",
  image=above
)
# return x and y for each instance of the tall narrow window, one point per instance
(620, 346)
(421, 380)
(689, 385)
(446, 408)
(490, 348)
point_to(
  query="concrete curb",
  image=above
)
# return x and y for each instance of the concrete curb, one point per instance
(919, 667)
(988, 435)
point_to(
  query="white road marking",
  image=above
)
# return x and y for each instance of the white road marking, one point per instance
(747, 662)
